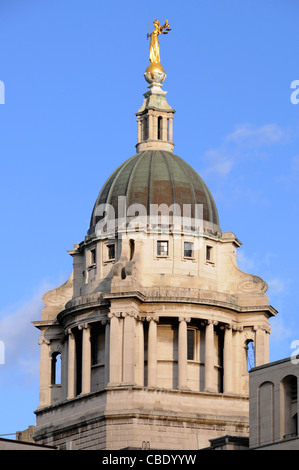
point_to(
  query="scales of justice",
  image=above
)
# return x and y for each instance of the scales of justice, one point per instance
(155, 73)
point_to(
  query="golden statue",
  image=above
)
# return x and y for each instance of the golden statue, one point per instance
(155, 71)
(154, 53)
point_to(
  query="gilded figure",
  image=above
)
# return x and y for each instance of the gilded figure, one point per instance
(154, 53)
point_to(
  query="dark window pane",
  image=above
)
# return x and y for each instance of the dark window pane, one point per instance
(93, 256)
(209, 253)
(111, 251)
(190, 345)
(162, 248)
(188, 250)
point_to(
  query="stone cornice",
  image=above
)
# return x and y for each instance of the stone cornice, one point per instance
(160, 295)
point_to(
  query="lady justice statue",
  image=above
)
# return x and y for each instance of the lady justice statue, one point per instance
(155, 72)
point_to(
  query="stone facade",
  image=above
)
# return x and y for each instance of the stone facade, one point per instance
(153, 327)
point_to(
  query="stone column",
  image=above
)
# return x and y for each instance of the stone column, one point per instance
(71, 365)
(128, 349)
(164, 128)
(139, 353)
(210, 357)
(45, 373)
(107, 350)
(86, 358)
(139, 130)
(261, 353)
(150, 126)
(182, 353)
(170, 129)
(152, 352)
(155, 130)
(114, 350)
(228, 360)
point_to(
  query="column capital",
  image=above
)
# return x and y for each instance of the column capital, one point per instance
(130, 313)
(124, 313)
(114, 314)
(185, 319)
(44, 341)
(154, 318)
(83, 326)
(265, 328)
(212, 322)
(237, 328)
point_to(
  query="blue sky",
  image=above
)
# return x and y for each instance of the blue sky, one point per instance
(73, 76)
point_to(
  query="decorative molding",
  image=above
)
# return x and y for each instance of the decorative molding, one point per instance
(251, 285)
(154, 318)
(44, 341)
(185, 319)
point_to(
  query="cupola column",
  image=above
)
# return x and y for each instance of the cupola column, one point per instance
(165, 121)
(139, 352)
(45, 372)
(182, 350)
(86, 358)
(210, 357)
(71, 365)
(114, 350)
(139, 130)
(128, 374)
(228, 359)
(170, 124)
(150, 126)
(152, 352)
(261, 345)
(106, 322)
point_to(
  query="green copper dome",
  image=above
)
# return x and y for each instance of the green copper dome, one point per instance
(157, 177)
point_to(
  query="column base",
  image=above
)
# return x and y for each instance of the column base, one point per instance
(211, 390)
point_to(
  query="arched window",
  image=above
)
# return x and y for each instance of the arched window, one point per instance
(160, 121)
(144, 129)
(265, 412)
(250, 355)
(289, 424)
(56, 368)
(132, 249)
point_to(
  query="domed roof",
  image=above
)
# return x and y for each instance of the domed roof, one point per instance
(157, 177)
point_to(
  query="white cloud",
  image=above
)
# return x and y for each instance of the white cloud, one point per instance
(280, 331)
(295, 164)
(276, 286)
(248, 135)
(245, 263)
(244, 142)
(20, 337)
(290, 178)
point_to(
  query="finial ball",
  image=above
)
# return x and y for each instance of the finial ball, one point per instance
(155, 73)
